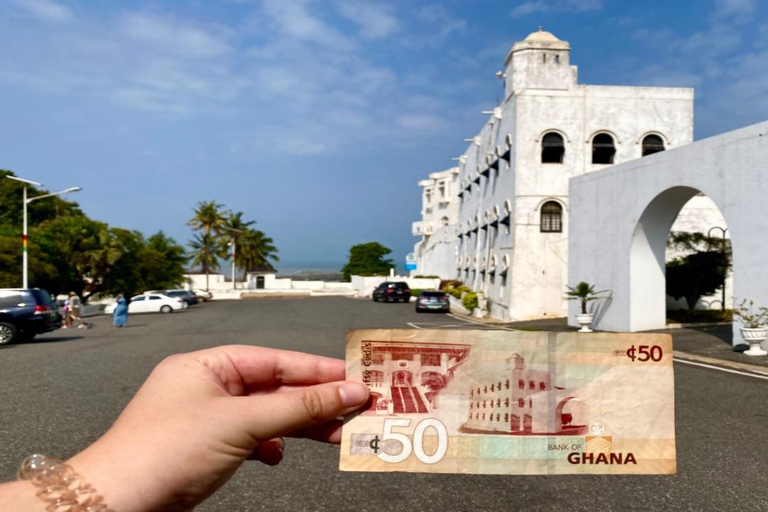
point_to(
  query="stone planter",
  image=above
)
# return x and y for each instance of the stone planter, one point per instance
(754, 336)
(584, 320)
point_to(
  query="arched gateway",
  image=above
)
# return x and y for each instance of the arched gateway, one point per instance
(620, 219)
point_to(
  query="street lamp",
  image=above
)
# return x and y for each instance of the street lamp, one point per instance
(24, 237)
(234, 251)
(722, 236)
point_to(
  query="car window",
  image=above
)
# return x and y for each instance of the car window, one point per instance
(432, 294)
(154, 297)
(10, 299)
(400, 286)
(138, 299)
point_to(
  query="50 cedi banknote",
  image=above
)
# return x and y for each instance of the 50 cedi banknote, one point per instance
(518, 403)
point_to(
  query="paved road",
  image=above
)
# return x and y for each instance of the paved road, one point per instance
(61, 391)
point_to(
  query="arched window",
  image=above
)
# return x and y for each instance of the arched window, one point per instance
(652, 144)
(603, 149)
(551, 217)
(552, 148)
(444, 221)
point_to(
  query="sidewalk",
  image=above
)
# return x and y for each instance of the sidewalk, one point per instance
(709, 343)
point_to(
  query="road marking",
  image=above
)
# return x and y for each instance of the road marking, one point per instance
(481, 323)
(413, 325)
(711, 367)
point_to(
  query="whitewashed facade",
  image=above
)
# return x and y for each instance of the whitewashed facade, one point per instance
(436, 252)
(510, 190)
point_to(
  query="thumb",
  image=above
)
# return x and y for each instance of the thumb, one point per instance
(278, 414)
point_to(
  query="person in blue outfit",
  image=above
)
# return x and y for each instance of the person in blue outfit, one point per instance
(121, 312)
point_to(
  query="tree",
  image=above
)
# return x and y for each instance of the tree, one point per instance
(367, 260)
(256, 250)
(234, 230)
(205, 254)
(210, 220)
(701, 272)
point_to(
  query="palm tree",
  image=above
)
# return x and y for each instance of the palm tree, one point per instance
(205, 253)
(256, 250)
(209, 219)
(234, 228)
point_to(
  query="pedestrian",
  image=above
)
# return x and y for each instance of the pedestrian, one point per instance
(65, 312)
(74, 311)
(194, 422)
(121, 312)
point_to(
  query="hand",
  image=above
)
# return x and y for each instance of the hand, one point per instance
(200, 415)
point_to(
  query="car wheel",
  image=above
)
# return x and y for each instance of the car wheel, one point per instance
(7, 333)
(166, 309)
(373, 297)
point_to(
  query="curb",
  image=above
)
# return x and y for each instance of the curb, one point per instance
(693, 325)
(721, 362)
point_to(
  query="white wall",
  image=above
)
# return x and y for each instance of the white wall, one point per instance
(366, 284)
(621, 216)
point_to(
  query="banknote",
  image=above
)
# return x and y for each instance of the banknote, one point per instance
(517, 403)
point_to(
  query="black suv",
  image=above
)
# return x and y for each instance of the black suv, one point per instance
(388, 291)
(25, 313)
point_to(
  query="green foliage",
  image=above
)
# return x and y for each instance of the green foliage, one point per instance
(751, 317)
(367, 260)
(583, 292)
(217, 230)
(700, 273)
(415, 292)
(70, 252)
(426, 277)
(469, 301)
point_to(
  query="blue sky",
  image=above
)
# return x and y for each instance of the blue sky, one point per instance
(316, 118)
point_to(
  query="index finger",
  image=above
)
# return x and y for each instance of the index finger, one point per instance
(268, 367)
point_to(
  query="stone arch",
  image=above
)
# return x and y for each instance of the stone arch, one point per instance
(571, 416)
(647, 265)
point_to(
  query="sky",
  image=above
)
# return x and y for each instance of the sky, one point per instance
(317, 118)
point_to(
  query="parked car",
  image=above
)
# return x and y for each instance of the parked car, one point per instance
(25, 313)
(187, 296)
(203, 295)
(432, 300)
(388, 291)
(151, 303)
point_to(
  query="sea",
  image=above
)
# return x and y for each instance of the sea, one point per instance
(306, 269)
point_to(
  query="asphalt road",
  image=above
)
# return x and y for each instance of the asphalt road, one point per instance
(61, 391)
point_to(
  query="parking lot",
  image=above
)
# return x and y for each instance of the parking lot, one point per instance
(62, 390)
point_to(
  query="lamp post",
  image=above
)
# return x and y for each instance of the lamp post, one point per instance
(233, 243)
(24, 236)
(722, 236)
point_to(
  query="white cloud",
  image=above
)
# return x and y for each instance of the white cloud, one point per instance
(554, 6)
(375, 20)
(47, 10)
(181, 38)
(734, 7)
(421, 122)
(292, 19)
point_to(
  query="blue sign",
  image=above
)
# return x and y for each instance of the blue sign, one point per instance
(410, 266)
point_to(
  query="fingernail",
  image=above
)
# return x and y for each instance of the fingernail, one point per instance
(353, 393)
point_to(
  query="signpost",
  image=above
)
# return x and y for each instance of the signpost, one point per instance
(410, 262)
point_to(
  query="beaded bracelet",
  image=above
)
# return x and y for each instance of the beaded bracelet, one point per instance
(62, 488)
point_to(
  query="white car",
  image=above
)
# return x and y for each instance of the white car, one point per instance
(203, 295)
(150, 303)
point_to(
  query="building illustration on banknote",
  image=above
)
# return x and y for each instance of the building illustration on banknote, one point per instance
(408, 378)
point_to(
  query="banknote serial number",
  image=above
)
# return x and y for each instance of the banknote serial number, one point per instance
(414, 445)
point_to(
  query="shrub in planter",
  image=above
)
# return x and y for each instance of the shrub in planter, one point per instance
(469, 301)
(415, 292)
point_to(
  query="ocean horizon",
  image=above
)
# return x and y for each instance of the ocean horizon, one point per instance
(308, 267)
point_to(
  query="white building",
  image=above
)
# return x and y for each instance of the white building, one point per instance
(510, 240)
(440, 215)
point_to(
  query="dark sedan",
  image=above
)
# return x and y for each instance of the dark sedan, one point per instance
(433, 301)
(25, 313)
(186, 295)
